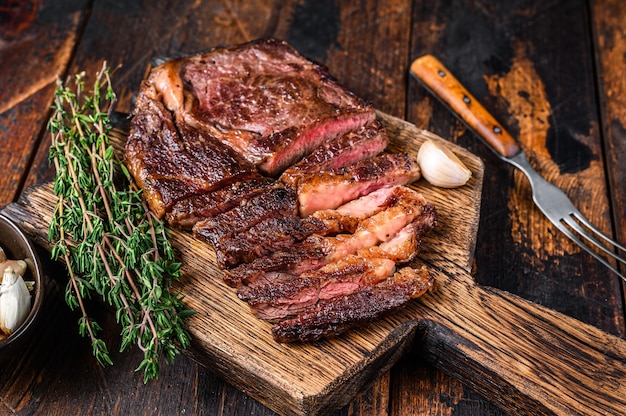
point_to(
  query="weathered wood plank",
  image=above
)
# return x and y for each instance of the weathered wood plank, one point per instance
(35, 47)
(543, 93)
(608, 18)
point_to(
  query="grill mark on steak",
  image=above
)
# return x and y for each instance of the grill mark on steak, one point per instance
(276, 234)
(331, 317)
(364, 143)
(262, 98)
(266, 237)
(187, 212)
(330, 189)
(275, 303)
(170, 165)
(278, 201)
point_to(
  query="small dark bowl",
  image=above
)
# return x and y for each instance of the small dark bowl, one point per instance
(17, 246)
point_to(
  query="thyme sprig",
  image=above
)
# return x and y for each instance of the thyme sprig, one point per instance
(112, 244)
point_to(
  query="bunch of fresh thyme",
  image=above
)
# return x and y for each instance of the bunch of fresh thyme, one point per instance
(112, 244)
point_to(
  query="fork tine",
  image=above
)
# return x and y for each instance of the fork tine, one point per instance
(580, 230)
(581, 218)
(588, 249)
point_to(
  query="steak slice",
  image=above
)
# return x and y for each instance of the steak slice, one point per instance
(171, 165)
(346, 150)
(275, 303)
(279, 300)
(330, 189)
(263, 99)
(333, 316)
(187, 212)
(348, 216)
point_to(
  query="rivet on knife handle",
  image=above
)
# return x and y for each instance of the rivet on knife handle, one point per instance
(440, 82)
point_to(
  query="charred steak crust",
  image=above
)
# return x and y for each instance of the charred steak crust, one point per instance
(171, 163)
(187, 212)
(345, 150)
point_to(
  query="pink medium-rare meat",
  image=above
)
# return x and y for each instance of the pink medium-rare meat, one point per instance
(364, 143)
(263, 99)
(170, 165)
(384, 225)
(316, 251)
(330, 189)
(210, 135)
(347, 217)
(279, 300)
(333, 316)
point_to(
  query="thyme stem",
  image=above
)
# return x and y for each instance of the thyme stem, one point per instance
(113, 246)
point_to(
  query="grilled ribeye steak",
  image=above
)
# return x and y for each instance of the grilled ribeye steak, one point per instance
(262, 98)
(265, 156)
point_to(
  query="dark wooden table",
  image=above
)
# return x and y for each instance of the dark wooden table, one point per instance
(553, 72)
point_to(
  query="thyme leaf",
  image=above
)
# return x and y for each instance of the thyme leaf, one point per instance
(114, 248)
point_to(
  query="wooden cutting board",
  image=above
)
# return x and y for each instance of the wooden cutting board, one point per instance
(516, 353)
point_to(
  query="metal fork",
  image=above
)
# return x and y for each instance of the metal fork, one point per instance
(552, 201)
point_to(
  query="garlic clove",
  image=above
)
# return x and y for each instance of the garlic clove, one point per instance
(19, 266)
(441, 167)
(15, 301)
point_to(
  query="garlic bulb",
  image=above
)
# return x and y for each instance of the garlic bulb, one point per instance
(14, 301)
(441, 167)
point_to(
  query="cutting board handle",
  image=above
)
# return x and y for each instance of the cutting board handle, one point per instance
(527, 358)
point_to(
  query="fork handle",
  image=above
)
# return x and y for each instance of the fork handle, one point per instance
(436, 78)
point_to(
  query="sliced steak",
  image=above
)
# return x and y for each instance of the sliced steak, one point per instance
(275, 301)
(347, 217)
(346, 150)
(263, 99)
(316, 251)
(187, 212)
(333, 316)
(170, 165)
(330, 189)
(309, 254)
